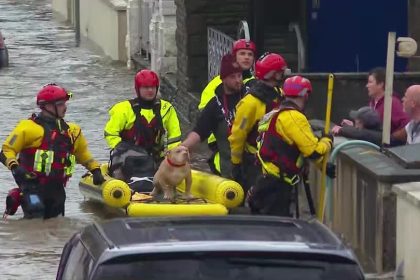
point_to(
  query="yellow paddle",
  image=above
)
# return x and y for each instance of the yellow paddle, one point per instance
(321, 205)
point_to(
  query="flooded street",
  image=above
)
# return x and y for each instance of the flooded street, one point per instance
(43, 50)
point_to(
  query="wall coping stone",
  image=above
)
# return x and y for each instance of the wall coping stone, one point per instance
(118, 5)
(409, 191)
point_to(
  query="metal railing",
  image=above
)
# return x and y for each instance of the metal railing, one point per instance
(294, 27)
(219, 44)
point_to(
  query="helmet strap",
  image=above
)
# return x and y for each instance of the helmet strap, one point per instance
(52, 113)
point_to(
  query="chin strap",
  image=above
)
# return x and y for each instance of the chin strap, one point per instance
(174, 164)
(55, 113)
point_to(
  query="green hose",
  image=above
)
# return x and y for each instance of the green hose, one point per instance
(332, 159)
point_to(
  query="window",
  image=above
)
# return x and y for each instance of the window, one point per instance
(78, 263)
(227, 266)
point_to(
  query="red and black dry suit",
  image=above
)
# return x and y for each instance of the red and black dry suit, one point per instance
(49, 148)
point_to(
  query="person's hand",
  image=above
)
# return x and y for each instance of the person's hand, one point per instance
(328, 140)
(336, 130)
(21, 175)
(346, 122)
(237, 173)
(98, 178)
(331, 170)
(329, 136)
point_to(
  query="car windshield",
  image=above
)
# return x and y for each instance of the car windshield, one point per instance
(230, 267)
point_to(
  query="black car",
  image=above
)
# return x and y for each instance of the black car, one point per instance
(226, 247)
(4, 54)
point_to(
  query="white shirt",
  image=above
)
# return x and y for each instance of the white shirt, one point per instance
(413, 132)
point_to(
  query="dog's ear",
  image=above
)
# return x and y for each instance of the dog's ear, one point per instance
(167, 152)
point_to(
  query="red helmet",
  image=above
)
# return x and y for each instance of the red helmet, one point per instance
(243, 44)
(297, 86)
(146, 78)
(268, 64)
(52, 93)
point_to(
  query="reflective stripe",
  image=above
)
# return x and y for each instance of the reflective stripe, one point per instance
(43, 161)
(248, 79)
(216, 161)
(69, 169)
(243, 123)
(173, 140)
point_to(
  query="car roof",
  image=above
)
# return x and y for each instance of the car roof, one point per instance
(209, 232)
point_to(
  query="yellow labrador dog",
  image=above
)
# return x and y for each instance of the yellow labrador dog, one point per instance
(172, 171)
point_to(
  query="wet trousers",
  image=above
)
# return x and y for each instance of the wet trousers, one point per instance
(45, 201)
(271, 196)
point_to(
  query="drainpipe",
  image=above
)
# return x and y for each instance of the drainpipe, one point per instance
(77, 21)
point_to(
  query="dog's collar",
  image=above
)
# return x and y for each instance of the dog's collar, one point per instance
(174, 164)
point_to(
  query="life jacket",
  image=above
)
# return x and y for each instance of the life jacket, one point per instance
(272, 147)
(143, 133)
(272, 99)
(222, 102)
(221, 159)
(54, 159)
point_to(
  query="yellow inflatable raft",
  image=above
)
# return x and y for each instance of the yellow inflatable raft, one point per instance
(213, 195)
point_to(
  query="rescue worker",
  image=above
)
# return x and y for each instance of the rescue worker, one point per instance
(285, 140)
(41, 153)
(217, 116)
(263, 96)
(145, 121)
(244, 52)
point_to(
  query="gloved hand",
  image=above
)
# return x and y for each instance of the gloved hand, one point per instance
(98, 178)
(237, 173)
(21, 175)
(330, 171)
(328, 135)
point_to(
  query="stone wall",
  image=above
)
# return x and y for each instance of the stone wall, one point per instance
(193, 18)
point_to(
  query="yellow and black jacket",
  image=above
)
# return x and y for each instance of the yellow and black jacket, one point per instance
(260, 100)
(286, 138)
(150, 127)
(48, 147)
